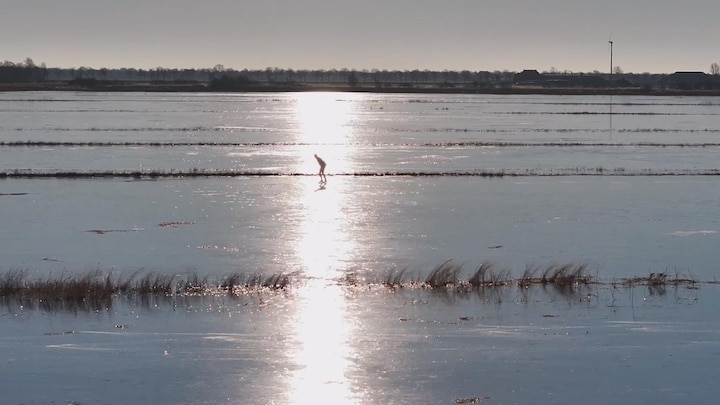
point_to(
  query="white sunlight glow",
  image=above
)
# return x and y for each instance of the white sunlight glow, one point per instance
(324, 357)
(324, 121)
(322, 329)
(322, 117)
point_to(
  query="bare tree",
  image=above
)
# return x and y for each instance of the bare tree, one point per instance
(715, 69)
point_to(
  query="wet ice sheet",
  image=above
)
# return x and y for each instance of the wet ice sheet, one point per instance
(282, 159)
(597, 346)
(374, 118)
(622, 227)
(608, 346)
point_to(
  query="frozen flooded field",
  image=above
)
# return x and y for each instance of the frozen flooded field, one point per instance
(621, 226)
(126, 180)
(212, 185)
(327, 344)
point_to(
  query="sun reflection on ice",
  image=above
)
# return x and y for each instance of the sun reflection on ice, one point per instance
(323, 359)
(324, 245)
(325, 125)
(324, 121)
(322, 328)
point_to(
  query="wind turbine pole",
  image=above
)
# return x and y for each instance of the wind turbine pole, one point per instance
(611, 62)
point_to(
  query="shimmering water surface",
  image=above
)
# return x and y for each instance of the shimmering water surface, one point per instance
(371, 347)
(632, 192)
(628, 185)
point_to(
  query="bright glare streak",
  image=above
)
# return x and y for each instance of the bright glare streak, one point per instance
(322, 329)
(323, 117)
(324, 245)
(324, 122)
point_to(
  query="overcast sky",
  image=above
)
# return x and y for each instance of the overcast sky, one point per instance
(657, 36)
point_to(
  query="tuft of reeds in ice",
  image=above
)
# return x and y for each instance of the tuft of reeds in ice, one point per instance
(96, 290)
(444, 275)
(488, 275)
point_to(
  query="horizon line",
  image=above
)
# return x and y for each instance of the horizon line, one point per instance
(222, 68)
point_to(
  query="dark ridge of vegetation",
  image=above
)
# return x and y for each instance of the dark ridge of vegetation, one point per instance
(175, 224)
(200, 173)
(479, 144)
(471, 400)
(232, 83)
(104, 231)
(24, 72)
(490, 275)
(27, 75)
(658, 279)
(657, 283)
(566, 278)
(96, 290)
(389, 130)
(87, 83)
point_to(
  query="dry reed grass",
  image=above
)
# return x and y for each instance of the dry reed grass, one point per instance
(660, 279)
(96, 289)
(489, 274)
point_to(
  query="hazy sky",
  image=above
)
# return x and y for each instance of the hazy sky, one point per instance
(657, 36)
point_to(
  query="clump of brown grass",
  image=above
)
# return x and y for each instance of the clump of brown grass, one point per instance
(658, 280)
(154, 284)
(239, 283)
(488, 275)
(97, 288)
(529, 277)
(231, 282)
(12, 282)
(566, 275)
(90, 286)
(394, 278)
(444, 275)
(276, 281)
(192, 285)
(88, 291)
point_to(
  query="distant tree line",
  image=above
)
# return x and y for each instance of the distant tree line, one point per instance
(220, 78)
(232, 83)
(23, 72)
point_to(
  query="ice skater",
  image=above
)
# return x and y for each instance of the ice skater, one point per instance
(322, 164)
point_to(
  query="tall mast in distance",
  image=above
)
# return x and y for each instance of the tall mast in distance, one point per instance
(611, 60)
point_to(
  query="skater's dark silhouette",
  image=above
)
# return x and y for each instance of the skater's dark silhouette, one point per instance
(322, 164)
